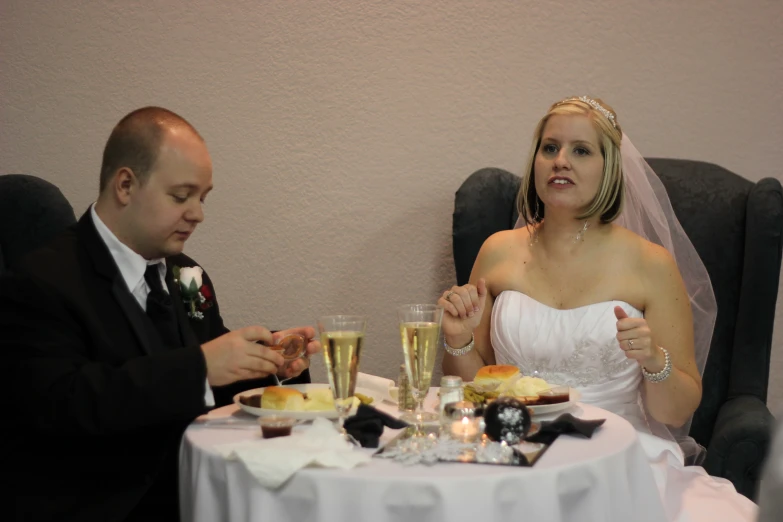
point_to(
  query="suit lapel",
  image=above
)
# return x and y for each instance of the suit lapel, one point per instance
(106, 267)
(186, 333)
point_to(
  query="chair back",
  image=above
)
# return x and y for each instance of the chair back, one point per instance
(32, 212)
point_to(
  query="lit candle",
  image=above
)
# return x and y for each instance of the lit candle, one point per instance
(464, 430)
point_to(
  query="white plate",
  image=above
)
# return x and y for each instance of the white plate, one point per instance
(573, 396)
(305, 415)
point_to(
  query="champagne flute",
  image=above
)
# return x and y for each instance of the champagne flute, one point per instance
(342, 337)
(420, 333)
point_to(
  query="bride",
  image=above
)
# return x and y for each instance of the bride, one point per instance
(599, 288)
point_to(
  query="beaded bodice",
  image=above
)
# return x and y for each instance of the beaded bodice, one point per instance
(576, 347)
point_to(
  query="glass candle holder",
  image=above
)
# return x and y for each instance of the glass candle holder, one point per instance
(465, 430)
(461, 421)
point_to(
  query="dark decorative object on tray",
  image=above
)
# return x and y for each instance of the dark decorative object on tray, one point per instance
(368, 423)
(507, 420)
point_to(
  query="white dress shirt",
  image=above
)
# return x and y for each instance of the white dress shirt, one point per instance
(132, 267)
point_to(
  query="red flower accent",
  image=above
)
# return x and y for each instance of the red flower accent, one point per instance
(208, 297)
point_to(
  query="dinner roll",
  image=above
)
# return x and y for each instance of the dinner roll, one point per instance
(279, 398)
(494, 375)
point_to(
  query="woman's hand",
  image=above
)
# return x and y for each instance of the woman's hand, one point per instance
(636, 341)
(463, 309)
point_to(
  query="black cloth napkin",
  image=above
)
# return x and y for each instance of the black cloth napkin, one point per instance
(368, 423)
(566, 423)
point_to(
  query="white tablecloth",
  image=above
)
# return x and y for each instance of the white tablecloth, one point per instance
(606, 478)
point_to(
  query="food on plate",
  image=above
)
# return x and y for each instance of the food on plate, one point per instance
(492, 376)
(254, 401)
(527, 387)
(364, 399)
(280, 398)
(473, 394)
(319, 400)
(530, 391)
(290, 399)
(554, 395)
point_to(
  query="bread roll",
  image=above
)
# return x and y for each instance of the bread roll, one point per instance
(494, 375)
(279, 398)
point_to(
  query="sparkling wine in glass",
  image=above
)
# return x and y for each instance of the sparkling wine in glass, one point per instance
(342, 337)
(420, 333)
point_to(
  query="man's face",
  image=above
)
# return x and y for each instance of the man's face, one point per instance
(165, 209)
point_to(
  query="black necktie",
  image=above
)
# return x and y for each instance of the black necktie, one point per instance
(160, 308)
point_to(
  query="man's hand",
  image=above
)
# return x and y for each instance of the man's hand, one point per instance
(297, 366)
(236, 356)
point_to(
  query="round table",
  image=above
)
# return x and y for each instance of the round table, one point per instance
(604, 478)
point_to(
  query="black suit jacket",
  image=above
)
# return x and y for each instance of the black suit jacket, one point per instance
(98, 403)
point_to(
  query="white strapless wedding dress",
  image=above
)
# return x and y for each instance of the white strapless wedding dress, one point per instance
(578, 348)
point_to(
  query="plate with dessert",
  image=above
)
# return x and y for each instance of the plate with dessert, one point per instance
(538, 395)
(299, 401)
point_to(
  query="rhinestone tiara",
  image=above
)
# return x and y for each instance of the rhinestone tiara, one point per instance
(595, 105)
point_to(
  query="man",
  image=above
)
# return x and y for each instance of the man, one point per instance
(108, 358)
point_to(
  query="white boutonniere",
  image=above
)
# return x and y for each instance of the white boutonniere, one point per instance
(195, 294)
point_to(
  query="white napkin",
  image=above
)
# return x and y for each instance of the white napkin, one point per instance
(379, 385)
(273, 461)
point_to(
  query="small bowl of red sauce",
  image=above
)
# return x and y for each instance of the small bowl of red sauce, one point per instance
(276, 426)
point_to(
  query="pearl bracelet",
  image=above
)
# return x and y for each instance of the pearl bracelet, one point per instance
(663, 374)
(459, 351)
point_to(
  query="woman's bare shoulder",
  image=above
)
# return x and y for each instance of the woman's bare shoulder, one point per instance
(505, 240)
(498, 248)
(647, 257)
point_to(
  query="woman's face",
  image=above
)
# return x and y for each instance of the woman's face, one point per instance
(569, 165)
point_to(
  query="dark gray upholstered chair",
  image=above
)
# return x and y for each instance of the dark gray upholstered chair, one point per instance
(737, 229)
(32, 212)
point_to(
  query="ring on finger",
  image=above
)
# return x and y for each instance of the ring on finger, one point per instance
(630, 343)
(448, 296)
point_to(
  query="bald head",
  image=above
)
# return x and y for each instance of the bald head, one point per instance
(135, 142)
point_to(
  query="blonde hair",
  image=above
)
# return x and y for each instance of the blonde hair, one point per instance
(608, 201)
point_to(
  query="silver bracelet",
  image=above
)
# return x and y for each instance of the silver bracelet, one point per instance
(459, 351)
(663, 374)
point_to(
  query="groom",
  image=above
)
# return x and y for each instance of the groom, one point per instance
(109, 351)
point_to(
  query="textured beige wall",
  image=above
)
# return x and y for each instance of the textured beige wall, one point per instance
(340, 130)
